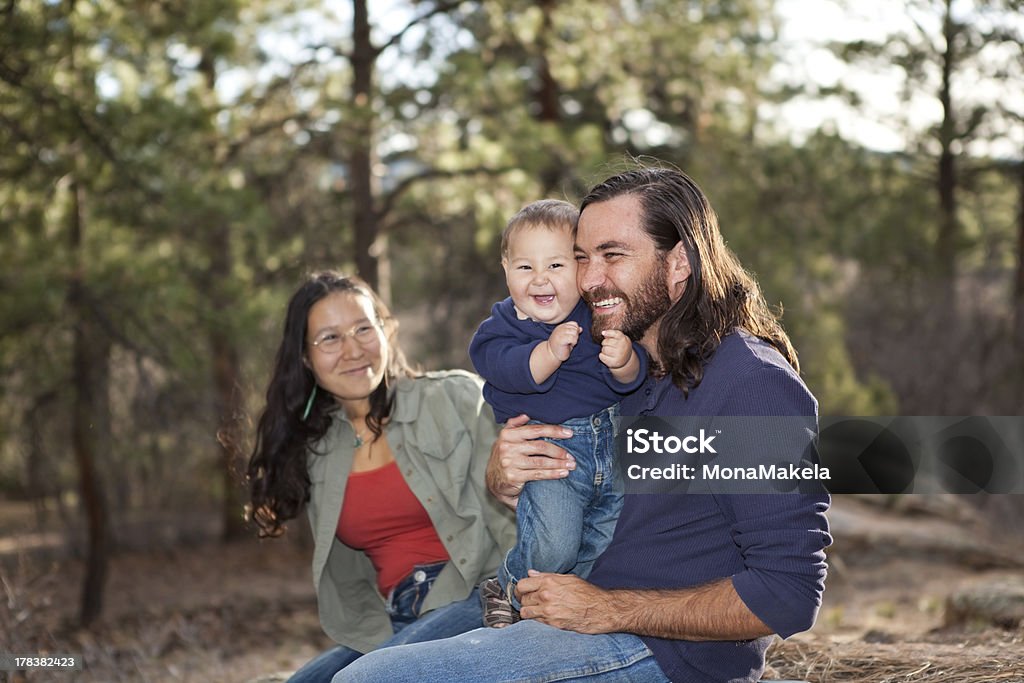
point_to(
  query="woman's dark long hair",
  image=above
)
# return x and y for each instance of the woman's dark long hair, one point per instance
(720, 296)
(277, 471)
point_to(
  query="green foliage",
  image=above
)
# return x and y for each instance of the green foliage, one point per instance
(215, 173)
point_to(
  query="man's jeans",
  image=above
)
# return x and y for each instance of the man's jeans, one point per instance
(403, 606)
(526, 651)
(562, 525)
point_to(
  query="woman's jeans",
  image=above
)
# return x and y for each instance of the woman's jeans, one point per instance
(562, 525)
(403, 606)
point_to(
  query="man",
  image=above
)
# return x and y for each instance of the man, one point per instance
(692, 586)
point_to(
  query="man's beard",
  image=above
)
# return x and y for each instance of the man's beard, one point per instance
(643, 307)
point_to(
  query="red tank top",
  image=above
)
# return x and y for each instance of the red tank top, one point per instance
(383, 518)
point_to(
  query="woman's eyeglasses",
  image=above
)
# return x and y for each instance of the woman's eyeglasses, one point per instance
(329, 342)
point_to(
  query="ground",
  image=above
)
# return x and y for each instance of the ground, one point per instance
(214, 612)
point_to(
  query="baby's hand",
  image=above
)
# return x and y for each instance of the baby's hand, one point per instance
(562, 340)
(616, 349)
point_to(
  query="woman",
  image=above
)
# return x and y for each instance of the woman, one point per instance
(390, 466)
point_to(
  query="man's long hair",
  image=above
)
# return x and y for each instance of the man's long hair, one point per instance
(720, 296)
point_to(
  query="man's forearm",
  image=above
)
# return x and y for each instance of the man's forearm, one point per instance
(710, 612)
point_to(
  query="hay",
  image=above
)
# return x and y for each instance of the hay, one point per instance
(903, 663)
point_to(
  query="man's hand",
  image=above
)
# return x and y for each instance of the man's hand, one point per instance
(563, 339)
(519, 455)
(567, 602)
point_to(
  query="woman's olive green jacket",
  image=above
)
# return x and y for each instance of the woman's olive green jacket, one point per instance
(441, 433)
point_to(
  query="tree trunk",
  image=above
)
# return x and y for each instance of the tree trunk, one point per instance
(226, 365)
(1018, 290)
(370, 246)
(90, 420)
(946, 244)
(226, 381)
(547, 96)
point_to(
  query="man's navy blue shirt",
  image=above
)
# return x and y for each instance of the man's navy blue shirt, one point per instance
(771, 546)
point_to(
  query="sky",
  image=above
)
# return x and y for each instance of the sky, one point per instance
(806, 29)
(807, 26)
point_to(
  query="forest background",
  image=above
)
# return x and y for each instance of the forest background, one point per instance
(170, 171)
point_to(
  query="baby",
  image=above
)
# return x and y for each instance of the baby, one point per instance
(538, 358)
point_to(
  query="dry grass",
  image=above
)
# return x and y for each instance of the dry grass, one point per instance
(232, 613)
(1001, 660)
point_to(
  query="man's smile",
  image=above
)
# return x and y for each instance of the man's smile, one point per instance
(606, 305)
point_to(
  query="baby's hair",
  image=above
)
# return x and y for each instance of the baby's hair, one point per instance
(551, 214)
